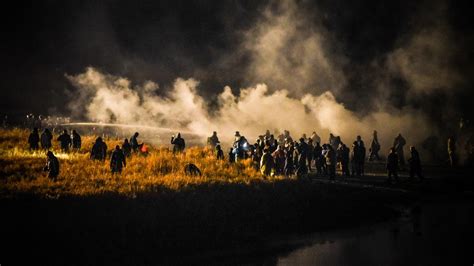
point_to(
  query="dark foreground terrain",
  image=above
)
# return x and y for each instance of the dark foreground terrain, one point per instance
(207, 222)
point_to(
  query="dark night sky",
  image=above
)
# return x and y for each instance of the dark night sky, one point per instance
(163, 40)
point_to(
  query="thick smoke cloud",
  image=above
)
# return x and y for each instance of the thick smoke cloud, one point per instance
(300, 79)
(112, 99)
(290, 50)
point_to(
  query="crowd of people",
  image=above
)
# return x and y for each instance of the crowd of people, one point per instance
(280, 155)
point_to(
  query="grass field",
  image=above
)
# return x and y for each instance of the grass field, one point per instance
(21, 169)
(153, 213)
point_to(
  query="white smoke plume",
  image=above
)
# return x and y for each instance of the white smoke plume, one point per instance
(289, 50)
(111, 99)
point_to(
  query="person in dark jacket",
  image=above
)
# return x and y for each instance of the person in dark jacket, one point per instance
(374, 148)
(289, 161)
(392, 165)
(99, 150)
(179, 143)
(219, 152)
(64, 141)
(318, 158)
(344, 159)
(398, 144)
(76, 140)
(302, 153)
(213, 140)
(266, 163)
(126, 148)
(46, 138)
(331, 161)
(52, 166)
(134, 142)
(33, 139)
(415, 164)
(359, 156)
(117, 160)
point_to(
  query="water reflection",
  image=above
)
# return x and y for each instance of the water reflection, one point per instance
(432, 234)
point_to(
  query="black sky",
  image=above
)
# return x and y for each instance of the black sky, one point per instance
(163, 40)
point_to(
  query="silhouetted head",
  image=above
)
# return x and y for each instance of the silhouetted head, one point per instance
(74, 131)
(179, 135)
(99, 139)
(125, 141)
(237, 134)
(358, 138)
(117, 147)
(218, 147)
(65, 131)
(35, 129)
(136, 134)
(214, 133)
(412, 148)
(50, 154)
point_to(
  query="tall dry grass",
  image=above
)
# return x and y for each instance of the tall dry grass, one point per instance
(21, 169)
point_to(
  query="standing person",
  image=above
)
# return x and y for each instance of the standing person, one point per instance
(398, 144)
(46, 138)
(65, 141)
(134, 142)
(117, 160)
(266, 163)
(331, 161)
(279, 156)
(33, 139)
(213, 140)
(359, 156)
(318, 153)
(76, 140)
(99, 150)
(453, 159)
(374, 148)
(231, 155)
(415, 164)
(52, 166)
(310, 154)
(392, 165)
(178, 143)
(302, 151)
(219, 152)
(315, 137)
(344, 158)
(289, 166)
(126, 148)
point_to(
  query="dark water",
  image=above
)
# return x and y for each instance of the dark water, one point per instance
(433, 234)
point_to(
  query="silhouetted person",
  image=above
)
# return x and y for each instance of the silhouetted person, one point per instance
(213, 140)
(134, 142)
(117, 160)
(374, 148)
(392, 165)
(178, 143)
(52, 166)
(266, 163)
(33, 139)
(359, 156)
(415, 164)
(453, 158)
(192, 170)
(76, 140)
(279, 157)
(99, 150)
(64, 141)
(219, 152)
(302, 152)
(126, 148)
(310, 154)
(330, 156)
(318, 158)
(46, 138)
(344, 154)
(289, 165)
(315, 137)
(398, 144)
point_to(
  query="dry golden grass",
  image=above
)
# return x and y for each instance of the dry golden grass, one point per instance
(21, 170)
